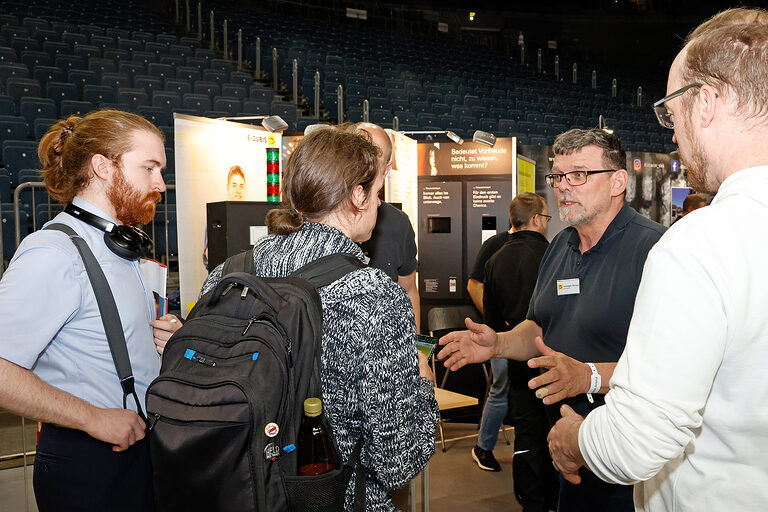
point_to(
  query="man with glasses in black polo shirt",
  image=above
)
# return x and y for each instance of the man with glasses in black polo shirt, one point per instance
(582, 303)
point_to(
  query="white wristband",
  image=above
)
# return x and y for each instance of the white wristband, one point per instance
(595, 382)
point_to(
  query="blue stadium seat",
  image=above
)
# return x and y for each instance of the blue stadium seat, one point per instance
(194, 62)
(24, 44)
(244, 79)
(34, 108)
(255, 107)
(67, 62)
(261, 93)
(148, 83)
(160, 70)
(142, 36)
(382, 118)
(117, 54)
(59, 91)
(188, 73)
(167, 100)
(130, 45)
(154, 48)
(210, 89)
(45, 74)
(19, 155)
(210, 75)
(54, 48)
(221, 65)
(7, 55)
(145, 58)
(441, 109)
(32, 58)
(13, 128)
(158, 115)
(100, 66)
(87, 51)
(115, 80)
(5, 188)
(74, 108)
(230, 105)
(178, 86)
(197, 102)
(132, 98)
(131, 68)
(41, 126)
(7, 106)
(181, 50)
(285, 110)
(13, 71)
(97, 94)
(18, 87)
(9, 230)
(234, 91)
(166, 39)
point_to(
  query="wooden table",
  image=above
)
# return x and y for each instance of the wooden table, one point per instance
(445, 400)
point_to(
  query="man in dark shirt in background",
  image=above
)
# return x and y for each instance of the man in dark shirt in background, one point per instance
(488, 249)
(510, 278)
(583, 300)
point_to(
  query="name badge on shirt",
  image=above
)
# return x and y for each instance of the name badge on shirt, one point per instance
(568, 286)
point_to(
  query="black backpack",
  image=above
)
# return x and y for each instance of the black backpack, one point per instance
(225, 411)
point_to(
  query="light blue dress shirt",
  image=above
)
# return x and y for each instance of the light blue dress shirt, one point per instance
(50, 322)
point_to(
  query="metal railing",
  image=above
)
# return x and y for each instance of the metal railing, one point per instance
(53, 208)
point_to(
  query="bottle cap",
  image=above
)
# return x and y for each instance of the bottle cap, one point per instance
(313, 407)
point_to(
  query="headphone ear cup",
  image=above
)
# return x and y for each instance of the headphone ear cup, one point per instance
(117, 244)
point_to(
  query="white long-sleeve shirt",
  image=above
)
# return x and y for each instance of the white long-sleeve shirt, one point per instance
(687, 412)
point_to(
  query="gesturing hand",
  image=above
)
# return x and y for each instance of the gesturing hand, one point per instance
(476, 345)
(565, 377)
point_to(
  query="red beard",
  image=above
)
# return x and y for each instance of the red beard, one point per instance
(131, 207)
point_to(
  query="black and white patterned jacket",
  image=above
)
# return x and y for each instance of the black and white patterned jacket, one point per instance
(370, 378)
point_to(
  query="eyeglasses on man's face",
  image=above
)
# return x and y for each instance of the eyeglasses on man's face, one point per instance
(547, 218)
(573, 178)
(660, 107)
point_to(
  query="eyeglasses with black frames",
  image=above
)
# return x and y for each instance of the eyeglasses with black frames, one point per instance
(573, 178)
(660, 109)
(547, 217)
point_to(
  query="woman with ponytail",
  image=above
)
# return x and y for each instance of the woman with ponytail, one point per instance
(373, 383)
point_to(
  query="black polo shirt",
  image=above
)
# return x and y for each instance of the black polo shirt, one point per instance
(487, 250)
(592, 326)
(392, 246)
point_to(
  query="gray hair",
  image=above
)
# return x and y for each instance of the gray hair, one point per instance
(614, 154)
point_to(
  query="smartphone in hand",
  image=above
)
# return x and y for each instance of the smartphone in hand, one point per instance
(426, 344)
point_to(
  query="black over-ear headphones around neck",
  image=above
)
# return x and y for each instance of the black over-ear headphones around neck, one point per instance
(127, 242)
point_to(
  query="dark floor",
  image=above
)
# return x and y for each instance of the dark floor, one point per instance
(456, 483)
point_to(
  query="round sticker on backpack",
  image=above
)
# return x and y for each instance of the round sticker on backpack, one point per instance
(271, 429)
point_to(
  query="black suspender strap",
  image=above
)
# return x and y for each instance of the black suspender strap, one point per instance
(110, 317)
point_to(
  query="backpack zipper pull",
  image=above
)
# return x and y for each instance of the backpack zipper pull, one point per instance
(226, 290)
(250, 323)
(152, 421)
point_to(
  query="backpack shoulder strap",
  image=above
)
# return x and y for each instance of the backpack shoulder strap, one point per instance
(324, 271)
(240, 262)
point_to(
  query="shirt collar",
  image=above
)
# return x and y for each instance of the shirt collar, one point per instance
(742, 181)
(619, 222)
(527, 233)
(85, 205)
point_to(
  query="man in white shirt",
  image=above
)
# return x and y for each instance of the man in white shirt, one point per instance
(684, 418)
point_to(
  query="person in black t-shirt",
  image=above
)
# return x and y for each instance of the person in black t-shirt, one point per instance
(488, 249)
(392, 246)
